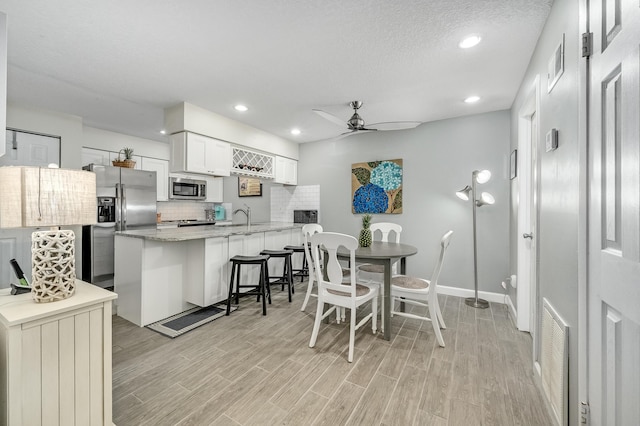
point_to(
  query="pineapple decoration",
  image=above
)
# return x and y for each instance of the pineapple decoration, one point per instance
(365, 232)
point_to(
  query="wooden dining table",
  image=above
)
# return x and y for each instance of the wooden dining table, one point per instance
(386, 254)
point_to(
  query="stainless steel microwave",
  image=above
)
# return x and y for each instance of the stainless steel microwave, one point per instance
(187, 189)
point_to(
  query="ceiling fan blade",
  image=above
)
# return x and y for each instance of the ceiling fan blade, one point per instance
(350, 133)
(343, 135)
(396, 125)
(330, 117)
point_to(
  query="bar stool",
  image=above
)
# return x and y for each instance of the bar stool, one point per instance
(261, 289)
(287, 276)
(304, 271)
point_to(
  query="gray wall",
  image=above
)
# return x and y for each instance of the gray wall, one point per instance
(438, 159)
(260, 206)
(558, 234)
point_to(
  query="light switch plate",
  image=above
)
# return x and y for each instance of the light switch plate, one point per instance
(552, 139)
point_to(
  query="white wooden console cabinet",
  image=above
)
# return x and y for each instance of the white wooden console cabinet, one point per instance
(56, 359)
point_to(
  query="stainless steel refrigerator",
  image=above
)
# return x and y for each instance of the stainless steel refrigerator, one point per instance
(126, 201)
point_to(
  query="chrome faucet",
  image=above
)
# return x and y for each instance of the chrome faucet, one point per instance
(247, 213)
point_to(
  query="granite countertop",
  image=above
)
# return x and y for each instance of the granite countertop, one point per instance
(212, 231)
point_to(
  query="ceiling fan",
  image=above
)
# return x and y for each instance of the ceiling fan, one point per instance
(356, 123)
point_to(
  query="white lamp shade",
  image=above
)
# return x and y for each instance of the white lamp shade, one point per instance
(463, 194)
(11, 197)
(486, 198)
(35, 196)
(483, 176)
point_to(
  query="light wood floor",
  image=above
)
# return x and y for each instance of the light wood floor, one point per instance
(247, 369)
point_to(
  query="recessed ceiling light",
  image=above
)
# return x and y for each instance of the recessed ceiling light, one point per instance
(163, 132)
(241, 108)
(469, 41)
(295, 132)
(472, 99)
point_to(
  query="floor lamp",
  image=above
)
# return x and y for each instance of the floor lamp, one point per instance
(478, 176)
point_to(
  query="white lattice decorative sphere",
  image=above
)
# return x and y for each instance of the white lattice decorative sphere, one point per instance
(54, 265)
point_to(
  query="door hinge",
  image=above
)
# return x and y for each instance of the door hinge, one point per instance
(584, 413)
(587, 44)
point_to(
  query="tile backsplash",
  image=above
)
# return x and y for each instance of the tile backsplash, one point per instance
(179, 210)
(286, 199)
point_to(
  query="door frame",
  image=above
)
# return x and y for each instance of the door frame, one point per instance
(526, 289)
(583, 213)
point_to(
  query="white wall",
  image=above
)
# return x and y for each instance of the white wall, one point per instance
(185, 116)
(438, 159)
(558, 233)
(112, 141)
(68, 127)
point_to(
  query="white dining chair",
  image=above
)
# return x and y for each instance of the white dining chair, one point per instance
(307, 231)
(373, 275)
(422, 292)
(334, 291)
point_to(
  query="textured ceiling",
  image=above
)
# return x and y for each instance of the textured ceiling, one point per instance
(119, 63)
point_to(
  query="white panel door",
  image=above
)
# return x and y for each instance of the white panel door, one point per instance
(28, 149)
(23, 149)
(614, 214)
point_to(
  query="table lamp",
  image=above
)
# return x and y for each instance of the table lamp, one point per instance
(48, 197)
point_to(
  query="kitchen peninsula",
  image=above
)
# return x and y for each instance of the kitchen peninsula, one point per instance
(163, 272)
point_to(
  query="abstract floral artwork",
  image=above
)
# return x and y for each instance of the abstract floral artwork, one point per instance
(377, 187)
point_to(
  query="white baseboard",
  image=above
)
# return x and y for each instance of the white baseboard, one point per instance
(465, 292)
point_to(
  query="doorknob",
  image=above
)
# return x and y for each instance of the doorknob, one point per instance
(527, 236)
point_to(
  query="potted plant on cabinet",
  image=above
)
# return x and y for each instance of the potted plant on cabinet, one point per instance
(127, 162)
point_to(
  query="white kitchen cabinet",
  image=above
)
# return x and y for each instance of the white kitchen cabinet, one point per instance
(193, 153)
(105, 158)
(95, 156)
(149, 278)
(277, 240)
(215, 190)
(161, 167)
(115, 156)
(207, 271)
(56, 359)
(286, 171)
(250, 244)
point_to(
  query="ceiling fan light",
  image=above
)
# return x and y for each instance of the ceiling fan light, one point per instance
(469, 41)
